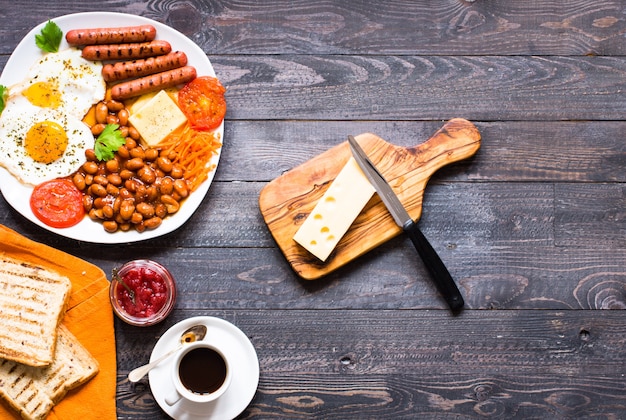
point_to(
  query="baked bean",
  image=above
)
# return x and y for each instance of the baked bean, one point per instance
(115, 106)
(97, 190)
(160, 210)
(126, 174)
(95, 214)
(164, 164)
(87, 202)
(152, 193)
(171, 204)
(117, 204)
(115, 179)
(151, 154)
(136, 218)
(101, 180)
(123, 131)
(88, 179)
(125, 194)
(123, 152)
(133, 133)
(97, 129)
(79, 181)
(167, 186)
(112, 190)
(146, 174)
(145, 209)
(122, 116)
(134, 164)
(127, 208)
(176, 172)
(112, 119)
(152, 223)
(99, 202)
(90, 154)
(90, 167)
(141, 193)
(180, 186)
(130, 143)
(112, 165)
(137, 152)
(107, 211)
(110, 226)
(102, 112)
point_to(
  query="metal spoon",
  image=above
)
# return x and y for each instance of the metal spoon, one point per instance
(194, 333)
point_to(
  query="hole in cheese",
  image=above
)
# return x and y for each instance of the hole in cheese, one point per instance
(325, 229)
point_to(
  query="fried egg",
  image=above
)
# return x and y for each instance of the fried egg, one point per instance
(42, 135)
(63, 81)
(38, 144)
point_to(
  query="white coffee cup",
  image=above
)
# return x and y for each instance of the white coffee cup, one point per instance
(201, 372)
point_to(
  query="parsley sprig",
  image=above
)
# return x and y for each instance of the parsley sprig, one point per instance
(108, 142)
(4, 94)
(50, 37)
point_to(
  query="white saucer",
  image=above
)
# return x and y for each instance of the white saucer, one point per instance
(245, 372)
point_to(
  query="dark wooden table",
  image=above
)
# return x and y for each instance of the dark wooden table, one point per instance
(533, 228)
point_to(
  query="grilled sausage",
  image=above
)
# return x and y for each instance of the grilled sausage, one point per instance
(143, 67)
(126, 51)
(98, 36)
(153, 83)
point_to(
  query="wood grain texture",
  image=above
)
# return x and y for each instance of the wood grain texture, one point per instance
(531, 227)
(355, 364)
(447, 27)
(289, 199)
(483, 88)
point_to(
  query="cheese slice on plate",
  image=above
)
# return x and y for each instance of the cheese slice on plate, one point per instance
(335, 212)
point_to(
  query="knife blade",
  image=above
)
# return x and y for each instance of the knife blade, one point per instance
(438, 271)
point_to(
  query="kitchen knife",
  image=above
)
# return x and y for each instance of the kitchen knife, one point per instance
(438, 271)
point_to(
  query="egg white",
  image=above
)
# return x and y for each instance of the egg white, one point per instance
(18, 117)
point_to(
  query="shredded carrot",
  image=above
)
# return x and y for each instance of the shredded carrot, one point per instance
(193, 150)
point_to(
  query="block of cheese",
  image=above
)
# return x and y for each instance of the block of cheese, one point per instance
(157, 118)
(335, 212)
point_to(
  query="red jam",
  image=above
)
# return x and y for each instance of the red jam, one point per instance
(153, 292)
(150, 292)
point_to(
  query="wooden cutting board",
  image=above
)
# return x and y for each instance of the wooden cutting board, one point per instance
(287, 201)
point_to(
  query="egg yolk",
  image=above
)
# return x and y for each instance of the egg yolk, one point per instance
(43, 94)
(45, 142)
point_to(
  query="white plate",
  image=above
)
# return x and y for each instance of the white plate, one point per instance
(27, 53)
(245, 371)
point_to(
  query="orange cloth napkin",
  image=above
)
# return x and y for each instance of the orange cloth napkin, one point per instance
(89, 317)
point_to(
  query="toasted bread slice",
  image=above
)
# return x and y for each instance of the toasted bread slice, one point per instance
(33, 391)
(32, 302)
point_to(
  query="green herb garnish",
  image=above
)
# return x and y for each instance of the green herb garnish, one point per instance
(108, 142)
(4, 94)
(50, 37)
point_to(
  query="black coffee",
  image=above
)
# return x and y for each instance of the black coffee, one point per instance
(202, 370)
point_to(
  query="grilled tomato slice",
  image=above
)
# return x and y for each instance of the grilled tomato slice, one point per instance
(202, 101)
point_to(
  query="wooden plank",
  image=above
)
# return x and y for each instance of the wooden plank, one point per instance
(511, 151)
(351, 364)
(485, 88)
(590, 215)
(448, 27)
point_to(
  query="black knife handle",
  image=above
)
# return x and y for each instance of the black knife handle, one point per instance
(438, 271)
